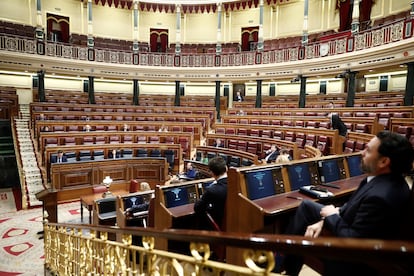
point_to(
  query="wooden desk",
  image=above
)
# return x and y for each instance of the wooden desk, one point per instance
(269, 214)
(289, 201)
(181, 211)
(88, 200)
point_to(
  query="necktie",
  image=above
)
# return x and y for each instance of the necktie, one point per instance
(59, 160)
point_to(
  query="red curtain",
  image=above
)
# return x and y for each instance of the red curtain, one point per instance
(63, 23)
(158, 40)
(365, 7)
(345, 14)
(249, 34)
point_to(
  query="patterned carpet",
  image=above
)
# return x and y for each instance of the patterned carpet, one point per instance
(21, 251)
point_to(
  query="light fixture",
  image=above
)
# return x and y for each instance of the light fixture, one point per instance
(107, 182)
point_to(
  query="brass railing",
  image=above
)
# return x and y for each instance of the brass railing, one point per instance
(86, 250)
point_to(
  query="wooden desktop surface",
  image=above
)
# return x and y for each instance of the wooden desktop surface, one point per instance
(88, 200)
(181, 211)
(280, 203)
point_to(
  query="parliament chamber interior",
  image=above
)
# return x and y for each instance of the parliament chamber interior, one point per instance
(98, 97)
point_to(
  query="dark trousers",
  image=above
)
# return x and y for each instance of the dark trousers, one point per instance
(307, 213)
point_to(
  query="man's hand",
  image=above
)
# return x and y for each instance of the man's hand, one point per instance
(313, 230)
(329, 210)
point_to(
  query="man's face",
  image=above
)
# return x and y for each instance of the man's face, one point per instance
(189, 166)
(371, 157)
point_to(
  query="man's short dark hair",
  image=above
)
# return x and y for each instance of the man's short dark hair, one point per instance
(398, 149)
(217, 165)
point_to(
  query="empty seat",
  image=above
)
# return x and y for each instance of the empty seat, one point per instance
(128, 139)
(230, 131)
(70, 156)
(361, 128)
(300, 139)
(105, 211)
(69, 141)
(278, 135)
(242, 131)
(323, 144)
(242, 145)
(325, 125)
(312, 124)
(155, 153)
(185, 145)
(310, 140)
(232, 144)
(58, 128)
(234, 161)
(142, 153)
(88, 140)
(100, 140)
(73, 128)
(252, 147)
(169, 140)
(359, 146)
(114, 139)
(154, 139)
(290, 136)
(51, 141)
(170, 156)
(98, 155)
(84, 155)
(349, 146)
(127, 153)
(255, 132)
(405, 131)
(111, 128)
(267, 133)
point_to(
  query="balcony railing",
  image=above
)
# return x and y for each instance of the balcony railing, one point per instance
(85, 250)
(393, 32)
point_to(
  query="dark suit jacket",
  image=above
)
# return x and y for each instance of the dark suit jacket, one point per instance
(339, 125)
(54, 159)
(272, 156)
(374, 211)
(213, 201)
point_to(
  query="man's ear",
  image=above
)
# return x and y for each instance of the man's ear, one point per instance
(384, 162)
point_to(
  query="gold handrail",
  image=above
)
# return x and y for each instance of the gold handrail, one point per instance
(72, 249)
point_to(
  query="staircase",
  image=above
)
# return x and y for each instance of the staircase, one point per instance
(30, 170)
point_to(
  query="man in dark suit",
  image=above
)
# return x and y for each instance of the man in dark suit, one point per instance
(336, 122)
(59, 158)
(271, 154)
(376, 210)
(239, 97)
(114, 154)
(218, 143)
(213, 199)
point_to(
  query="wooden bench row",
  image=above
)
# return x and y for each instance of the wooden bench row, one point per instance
(42, 106)
(326, 140)
(398, 111)
(185, 139)
(204, 119)
(257, 146)
(360, 124)
(85, 153)
(114, 126)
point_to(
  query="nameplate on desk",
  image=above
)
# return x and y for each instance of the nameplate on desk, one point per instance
(315, 191)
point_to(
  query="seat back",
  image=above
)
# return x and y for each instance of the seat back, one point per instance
(105, 211)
